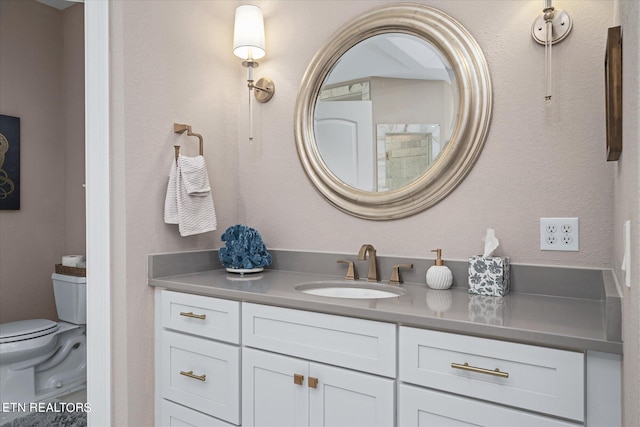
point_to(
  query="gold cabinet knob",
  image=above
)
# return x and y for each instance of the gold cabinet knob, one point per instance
(313, 382)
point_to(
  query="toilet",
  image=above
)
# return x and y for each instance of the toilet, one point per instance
(41, 359)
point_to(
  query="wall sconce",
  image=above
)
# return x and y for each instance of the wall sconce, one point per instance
(248, 44)
(550, 27)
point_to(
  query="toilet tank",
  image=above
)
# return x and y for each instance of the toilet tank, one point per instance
(71, 298)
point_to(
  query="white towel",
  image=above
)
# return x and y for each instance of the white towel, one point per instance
(171, 199)
(194, 176)
(189, 202)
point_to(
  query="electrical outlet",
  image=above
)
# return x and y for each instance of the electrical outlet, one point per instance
(559, 234)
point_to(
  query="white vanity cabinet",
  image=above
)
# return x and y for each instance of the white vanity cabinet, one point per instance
(226, 363)
(495, 374)
(198, 366)
(298, 387)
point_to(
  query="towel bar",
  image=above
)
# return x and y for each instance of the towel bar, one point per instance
(180, 128)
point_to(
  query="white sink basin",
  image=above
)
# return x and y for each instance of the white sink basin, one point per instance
(348, 289)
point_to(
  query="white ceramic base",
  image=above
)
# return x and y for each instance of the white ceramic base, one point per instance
(439, 277)
(244, 270)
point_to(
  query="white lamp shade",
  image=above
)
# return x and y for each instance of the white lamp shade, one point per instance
(248, 33)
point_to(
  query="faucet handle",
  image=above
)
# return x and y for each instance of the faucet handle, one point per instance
(351, 270)
(395, 273)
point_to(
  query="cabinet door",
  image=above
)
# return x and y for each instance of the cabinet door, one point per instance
(346, 398)
(419, 407)
(270, 395)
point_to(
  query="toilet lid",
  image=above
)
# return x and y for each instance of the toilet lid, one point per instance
(26, 329)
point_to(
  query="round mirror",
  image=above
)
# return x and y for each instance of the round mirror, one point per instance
(385, 111)
(393, 112)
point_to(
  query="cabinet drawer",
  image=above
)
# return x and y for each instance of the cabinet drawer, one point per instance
(428, 408)
(540, 379)
(201, 374)
(363, 345)
(198, 315)
(174, 415)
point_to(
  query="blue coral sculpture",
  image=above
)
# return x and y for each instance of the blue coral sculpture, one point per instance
(244, 248)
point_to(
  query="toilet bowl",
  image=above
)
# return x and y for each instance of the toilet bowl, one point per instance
(41, 359)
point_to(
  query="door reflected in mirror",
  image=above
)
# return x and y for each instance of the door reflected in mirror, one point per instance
(385, 112)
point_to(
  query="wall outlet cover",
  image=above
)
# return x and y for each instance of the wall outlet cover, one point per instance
(559, 234)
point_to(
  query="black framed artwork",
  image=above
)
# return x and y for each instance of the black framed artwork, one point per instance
(613, 92)
(9, 163)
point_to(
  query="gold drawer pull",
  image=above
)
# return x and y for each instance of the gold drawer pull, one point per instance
(466, 367)
(190, 374)
(298, 379)
(313, 382)
(195, 316)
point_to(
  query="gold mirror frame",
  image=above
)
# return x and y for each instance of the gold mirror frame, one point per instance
(470, 126)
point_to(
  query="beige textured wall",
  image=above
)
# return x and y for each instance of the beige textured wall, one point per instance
(172, 61)
(627, 204)
(33, 86)
(539, 160)
(169, 63)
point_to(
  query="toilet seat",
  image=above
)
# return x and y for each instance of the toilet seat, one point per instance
(26, 329)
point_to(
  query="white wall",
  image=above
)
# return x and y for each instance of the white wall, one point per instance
(627, 204)
(172, 61)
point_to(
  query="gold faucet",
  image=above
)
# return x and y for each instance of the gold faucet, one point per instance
(370, 251)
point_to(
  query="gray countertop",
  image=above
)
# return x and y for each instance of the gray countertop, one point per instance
(552, 321)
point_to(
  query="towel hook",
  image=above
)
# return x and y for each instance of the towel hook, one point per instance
(180, 128)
